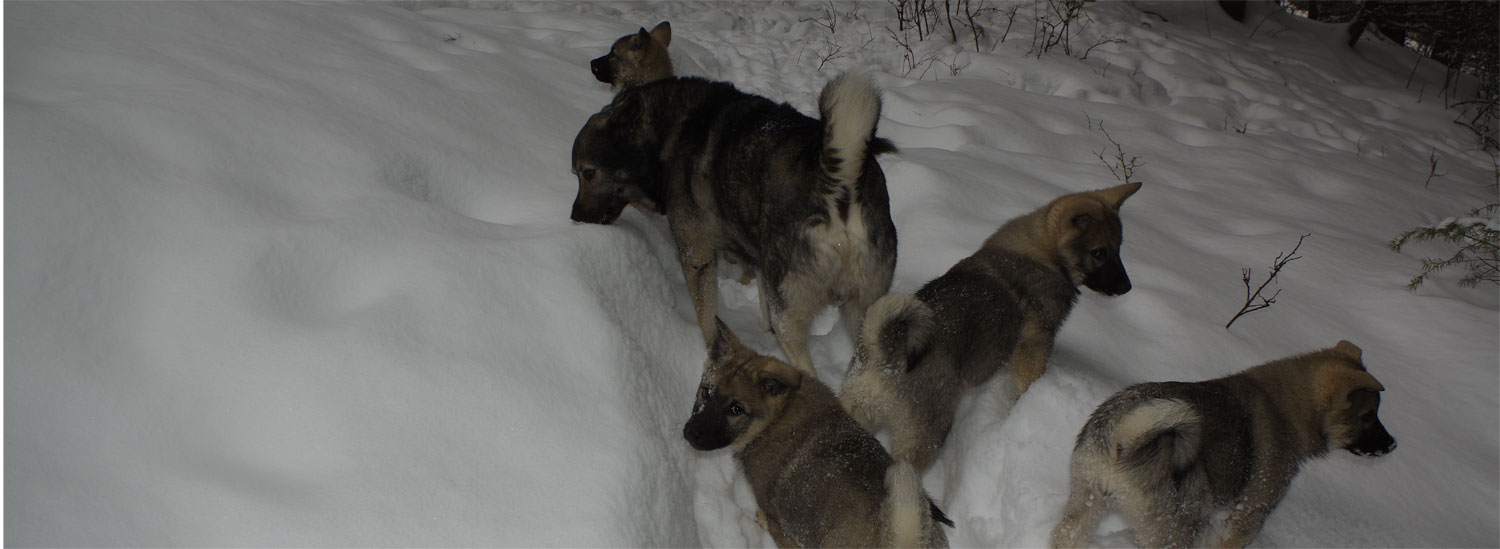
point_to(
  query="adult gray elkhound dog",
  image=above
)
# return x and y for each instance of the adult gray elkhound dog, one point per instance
(1001, 307)
(799, 200)
(1172, 455)
(820, 480)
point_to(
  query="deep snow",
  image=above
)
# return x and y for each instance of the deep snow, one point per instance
(301, 274)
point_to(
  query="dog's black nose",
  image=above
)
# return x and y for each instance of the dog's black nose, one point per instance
(601, 70)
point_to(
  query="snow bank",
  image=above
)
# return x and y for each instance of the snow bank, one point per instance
(301, 274)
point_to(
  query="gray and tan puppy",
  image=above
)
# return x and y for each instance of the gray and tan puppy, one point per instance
(1001, 307)
(820, 480)
(1172, 455)
(636, 59)
(801, 201)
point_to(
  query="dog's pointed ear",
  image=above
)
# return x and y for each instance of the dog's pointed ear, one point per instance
(1354, 381)
(723, 345)
(777, 378)
(1348, 349)
(1363, 380)
(1116, 195)
(1083, 221)
(640, 39)
(662, 33)
(1074, 212)
(1338, 382)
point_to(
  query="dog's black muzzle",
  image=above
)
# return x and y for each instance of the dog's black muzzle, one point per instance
(585, 213)
(1110, 279)
(603, 68)
(1374, 442)
(705, 434)
(706, 430)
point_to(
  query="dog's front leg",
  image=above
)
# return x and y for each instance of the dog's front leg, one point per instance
(700, 269)
(1029, 359)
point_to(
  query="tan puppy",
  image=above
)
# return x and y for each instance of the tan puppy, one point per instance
(636, 59)
(1171, 455)
(819, 479)
(1001, 307)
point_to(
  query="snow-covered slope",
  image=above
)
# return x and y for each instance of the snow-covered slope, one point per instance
(301, 273)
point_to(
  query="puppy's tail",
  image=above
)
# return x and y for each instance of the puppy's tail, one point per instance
(898, 331)
(850, 109)
(1160, 438)
(910, 514)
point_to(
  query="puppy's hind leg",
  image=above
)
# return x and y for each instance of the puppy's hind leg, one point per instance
(917, 441)
(864, 395)
(1163, 522)
(1086, 505)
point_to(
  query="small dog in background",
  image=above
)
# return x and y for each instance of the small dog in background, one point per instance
(819, 479)
(1001, 307)
(800, 201)
(636, 59)
(1172, 455)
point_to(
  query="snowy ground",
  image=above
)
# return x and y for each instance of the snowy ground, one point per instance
(302, 274)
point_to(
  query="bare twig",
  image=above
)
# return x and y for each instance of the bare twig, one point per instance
(1432, 161)
(1113, 39)
(1250, 298)
(1122, 168)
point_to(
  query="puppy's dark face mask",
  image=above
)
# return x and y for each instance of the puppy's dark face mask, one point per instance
(1096, 254)
(1369, 435)
(741, 393)
(717, 420)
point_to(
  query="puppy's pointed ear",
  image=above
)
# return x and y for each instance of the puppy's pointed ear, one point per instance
(1074, 212)
(1083, 221)
(777, 378)
(1348, 349)
(662, 33)
(1116, 195)
(723, 345)
(1338, 381)
(1362, 380)
(640, 39)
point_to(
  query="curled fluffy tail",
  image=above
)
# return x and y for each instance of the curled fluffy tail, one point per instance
(850, 109)
(910, 514)
(897, 332)
(1161, 436)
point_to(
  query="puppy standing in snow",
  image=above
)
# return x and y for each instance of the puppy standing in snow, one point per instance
(820, 480)
(800, 201)
(1171, 455)
(636, 59)
(1001, 307)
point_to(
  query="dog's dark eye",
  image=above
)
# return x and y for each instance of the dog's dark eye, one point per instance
(1098, 253)
(705, 392)
(735, 409)
(588, 174)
